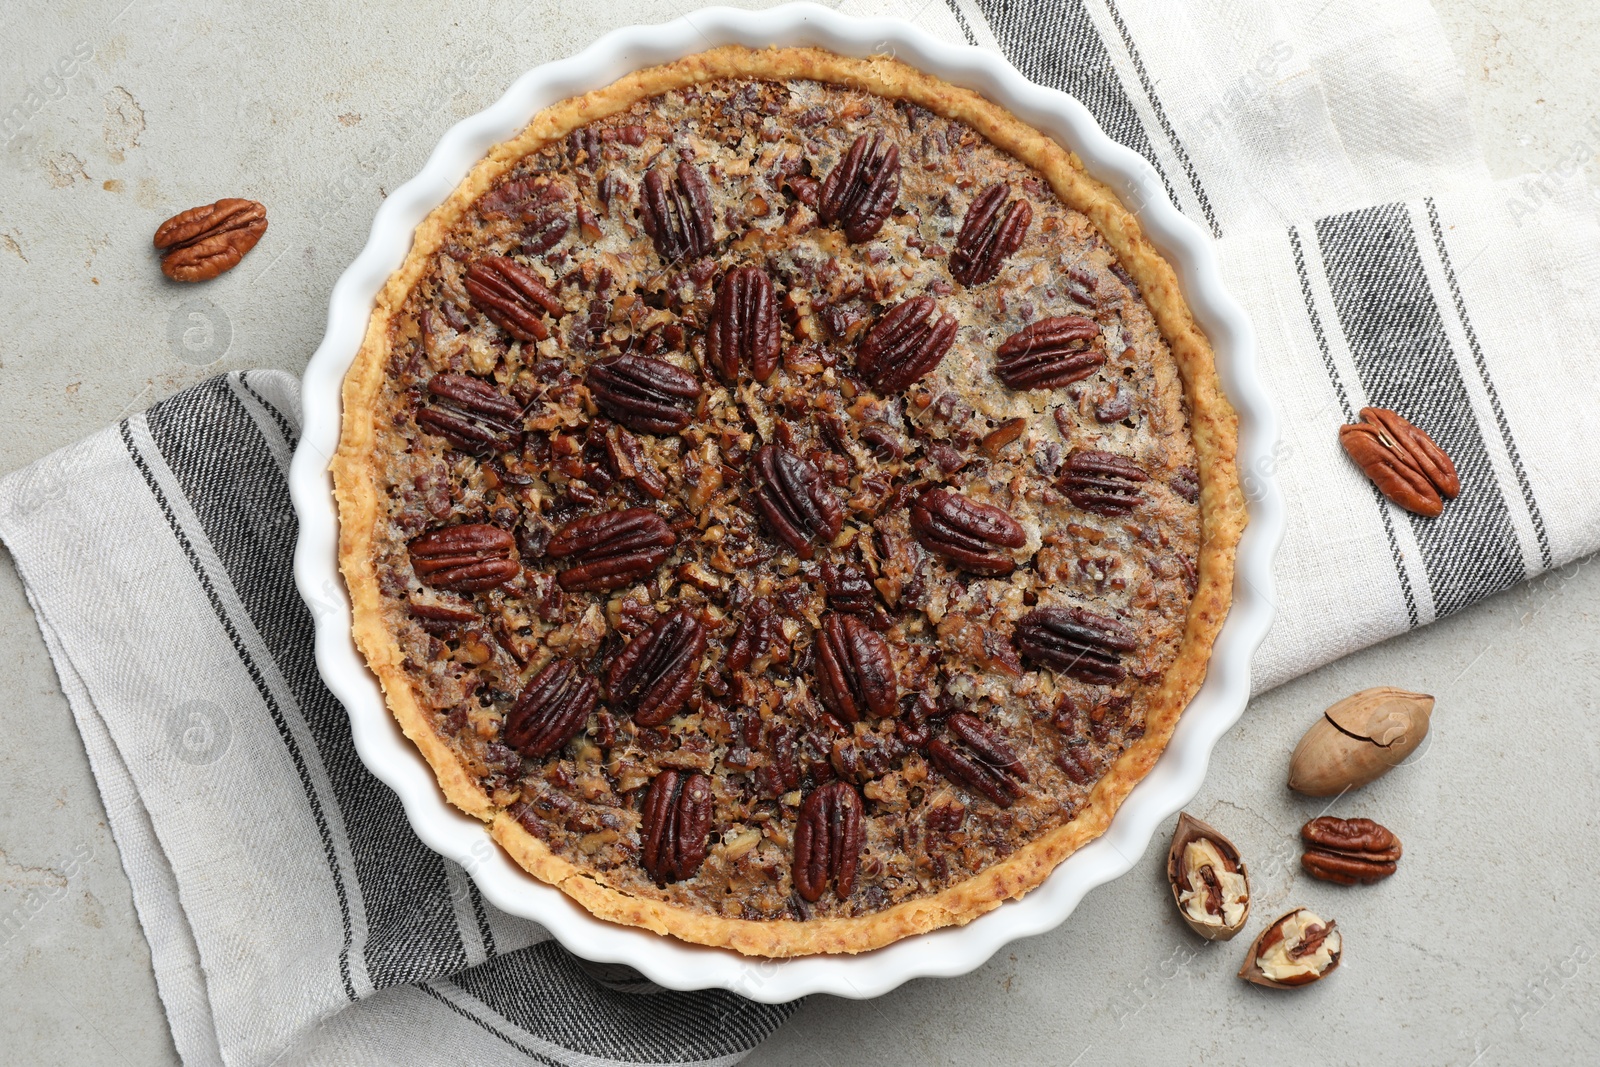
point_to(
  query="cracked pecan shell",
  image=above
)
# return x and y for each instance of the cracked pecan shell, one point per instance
(974, 536)
(654, 676)
(855, 673)
(860, 191)
(611, 549)
(471, 414)
(203, 242)
(645, 395)
(1402, 461)
(744, 326)
(676, 211)
(987, 236)
(1050, 353)
(795, 500)
(1102, 482)
(827, 841)
(1078, 643)
(467, 558)
(906, 343)
(551, 709)
(973, 754)
(513, 297)
(675, 826)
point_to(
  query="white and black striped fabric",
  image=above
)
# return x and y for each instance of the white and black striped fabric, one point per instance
(292, 915)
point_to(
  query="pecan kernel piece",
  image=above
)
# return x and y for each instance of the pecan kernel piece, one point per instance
(906, 343)
(203, 242)
(675, 826)
(855, 674)
(467, 558)
(1102, 482)
(795, 500)
(1402, 461)
(974, 536)
(645, 395)
(470, 413)
(551, 709)
(676, 211)
(983, 762)
(513, 297)
(611, 549)
(654, 676)
(827, 841)
(987, 238)
(744, 326)
(1296, 950)
(1078, 643)
(1349, 851)
(1050, 353)
(861, 189)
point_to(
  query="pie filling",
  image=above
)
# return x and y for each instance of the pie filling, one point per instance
(788, 506)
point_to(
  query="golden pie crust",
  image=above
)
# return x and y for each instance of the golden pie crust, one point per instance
(1212, 425)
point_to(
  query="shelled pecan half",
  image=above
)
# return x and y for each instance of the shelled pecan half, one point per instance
(1076, 642)
(467, 558)
(827, 841)
(975, 755)
(471, 414)
(795, 500)
(513, 297)
(906, 343)
(654, 676)
(988, 237)
(203, 242)
(855, 673)
(744, 326)
(551, 709)
(976, 537)
(860, 191)
(1349, 851)
(676, 211)
(645, 395)
(1402, 461)
(674, 831)
(1050, 353)
(1102, 482)
(611, 549)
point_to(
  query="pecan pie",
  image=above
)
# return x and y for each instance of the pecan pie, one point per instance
(788, 499)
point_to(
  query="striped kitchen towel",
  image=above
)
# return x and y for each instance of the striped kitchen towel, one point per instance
(292, 915)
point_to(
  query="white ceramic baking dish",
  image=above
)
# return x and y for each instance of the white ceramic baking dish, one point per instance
(1176, 777)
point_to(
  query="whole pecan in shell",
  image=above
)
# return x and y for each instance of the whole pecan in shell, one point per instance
(982, 761)
(827, 841)
(1102, 482)
(201, 243)
(855, 674)
(1050, 353)
(551, 709)
(645, 395)
(744, 326)
(1078, 643)
(987, 237)
(466, 558)
(1402, 461)
(795, 499)
(861, 189)
(1349, 851)
(471, 414)
(611, 549)
(653, 678)
(905, 344)
(676, 825)
(676, 210)
(512, 296)
(974, 536)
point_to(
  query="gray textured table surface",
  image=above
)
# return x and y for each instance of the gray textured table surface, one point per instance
(1482, 950)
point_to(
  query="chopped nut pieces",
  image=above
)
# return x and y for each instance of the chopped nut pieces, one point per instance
(1209, 880)
(1358, 740)
(1349, 851)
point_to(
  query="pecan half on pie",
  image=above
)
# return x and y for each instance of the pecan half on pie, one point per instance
(788, 499)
